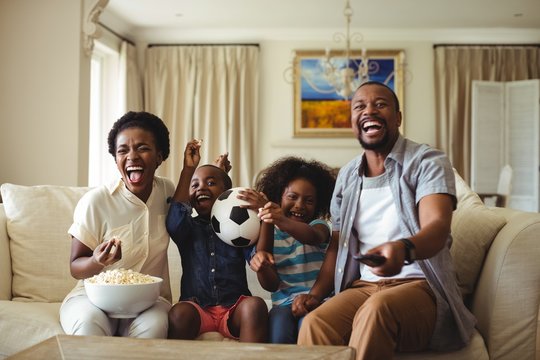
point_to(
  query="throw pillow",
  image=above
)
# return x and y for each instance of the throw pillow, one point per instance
(474, 226)
(38, 218)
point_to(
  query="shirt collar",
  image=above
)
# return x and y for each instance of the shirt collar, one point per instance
(396, 154)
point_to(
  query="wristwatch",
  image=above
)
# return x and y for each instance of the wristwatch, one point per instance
(410, 251)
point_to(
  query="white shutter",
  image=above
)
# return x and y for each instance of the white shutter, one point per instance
(523, 137)
(487, 135)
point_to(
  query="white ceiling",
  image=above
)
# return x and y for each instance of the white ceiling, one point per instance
(150, 18)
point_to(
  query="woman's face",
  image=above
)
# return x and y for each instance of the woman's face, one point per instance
(137, 159)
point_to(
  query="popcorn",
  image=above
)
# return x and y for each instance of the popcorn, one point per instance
(120, 276)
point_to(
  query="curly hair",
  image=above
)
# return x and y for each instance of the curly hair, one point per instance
(276, 177)
(145, 121)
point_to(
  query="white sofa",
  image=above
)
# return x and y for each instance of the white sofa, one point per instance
(496, 251)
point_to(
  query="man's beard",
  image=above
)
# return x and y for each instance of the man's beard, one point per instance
(381, 144)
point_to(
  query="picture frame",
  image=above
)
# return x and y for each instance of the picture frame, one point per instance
(318, 110)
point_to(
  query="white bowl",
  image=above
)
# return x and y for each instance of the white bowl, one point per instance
(123, 300)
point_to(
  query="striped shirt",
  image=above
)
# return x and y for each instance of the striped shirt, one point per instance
(297, 265)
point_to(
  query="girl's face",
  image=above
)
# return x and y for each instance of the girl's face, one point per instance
(137, 159)
(206, 185)
(299, 200)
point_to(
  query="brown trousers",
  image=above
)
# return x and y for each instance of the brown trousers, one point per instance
(376, 319)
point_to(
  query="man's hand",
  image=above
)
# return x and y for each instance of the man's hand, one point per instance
(394, 252)
(261, 260)
(304, 303)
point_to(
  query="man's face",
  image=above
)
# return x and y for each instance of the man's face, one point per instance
(374, 118)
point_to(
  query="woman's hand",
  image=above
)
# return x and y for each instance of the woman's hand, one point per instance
(192, 155)
(108, 252)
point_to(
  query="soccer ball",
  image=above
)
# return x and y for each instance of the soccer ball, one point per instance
(234, 225)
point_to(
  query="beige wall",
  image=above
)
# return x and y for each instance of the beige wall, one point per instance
(44, 89)
(42, 100)
(276, 126)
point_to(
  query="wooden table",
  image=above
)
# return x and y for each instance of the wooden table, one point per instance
(63, 347)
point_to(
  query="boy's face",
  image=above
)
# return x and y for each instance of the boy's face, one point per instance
(206, 185)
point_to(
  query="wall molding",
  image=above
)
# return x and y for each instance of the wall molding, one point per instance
(90, 29)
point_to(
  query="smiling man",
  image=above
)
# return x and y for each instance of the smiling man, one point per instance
(394, 203)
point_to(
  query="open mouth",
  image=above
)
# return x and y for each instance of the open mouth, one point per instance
(202, 198)
(134, 173)
(371, 126)
(296, 215)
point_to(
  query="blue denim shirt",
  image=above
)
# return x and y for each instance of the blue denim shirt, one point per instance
(213, 273)
(414, 171)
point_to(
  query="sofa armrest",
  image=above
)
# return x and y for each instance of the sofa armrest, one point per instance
(5, 258)
(507, 296)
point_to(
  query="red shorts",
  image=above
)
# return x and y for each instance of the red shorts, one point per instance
(215, 318)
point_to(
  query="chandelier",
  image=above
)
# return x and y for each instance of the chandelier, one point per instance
(344, 71)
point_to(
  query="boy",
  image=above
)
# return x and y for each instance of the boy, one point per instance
(214, 291)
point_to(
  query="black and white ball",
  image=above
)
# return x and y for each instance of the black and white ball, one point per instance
(234, 225)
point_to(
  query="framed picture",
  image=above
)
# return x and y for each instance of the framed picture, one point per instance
(320, 110)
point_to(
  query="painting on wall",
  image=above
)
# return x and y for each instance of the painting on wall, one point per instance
(322, 109)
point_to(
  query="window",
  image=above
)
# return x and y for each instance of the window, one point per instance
(105, 109)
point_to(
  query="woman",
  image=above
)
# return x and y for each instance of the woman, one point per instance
(122, 225)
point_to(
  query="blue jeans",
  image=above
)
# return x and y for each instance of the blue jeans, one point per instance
(284, 325)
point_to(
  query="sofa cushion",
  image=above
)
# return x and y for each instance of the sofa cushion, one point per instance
(24, 324)
(38, 218)
(474, 226)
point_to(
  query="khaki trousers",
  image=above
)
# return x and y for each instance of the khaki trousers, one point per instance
(374, 318)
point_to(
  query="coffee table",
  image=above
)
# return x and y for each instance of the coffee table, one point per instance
(64, 347)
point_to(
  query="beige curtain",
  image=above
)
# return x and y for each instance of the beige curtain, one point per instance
(209, 93)
(130, 80)
(455, 69)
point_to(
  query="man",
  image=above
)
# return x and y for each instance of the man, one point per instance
(393, 203)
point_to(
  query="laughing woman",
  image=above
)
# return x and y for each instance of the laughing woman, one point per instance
(122, 225)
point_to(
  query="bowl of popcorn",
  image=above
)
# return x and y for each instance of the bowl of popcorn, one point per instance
(122, 293)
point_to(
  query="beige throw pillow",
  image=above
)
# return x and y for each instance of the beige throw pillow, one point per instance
(474, 226)
(38, 218)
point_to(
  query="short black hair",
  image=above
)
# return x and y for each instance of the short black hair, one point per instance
(372, 82)
(276, 177)
(145, 121)
(224, 176)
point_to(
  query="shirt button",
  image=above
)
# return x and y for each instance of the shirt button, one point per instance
(146, 233)
(213, 270)
(344, 244)
(339, 270)
(212, 253)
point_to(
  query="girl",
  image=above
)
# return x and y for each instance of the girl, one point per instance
(294, 236)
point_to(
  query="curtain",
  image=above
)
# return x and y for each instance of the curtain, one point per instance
(455, 68)
(208, 93)
(130, 80)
